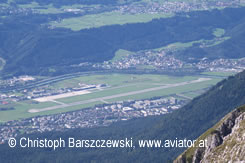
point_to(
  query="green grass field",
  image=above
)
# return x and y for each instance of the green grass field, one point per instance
(114, 80)
(104, 19)
(191, 94)
(120, 54)
(178, 45)
(219, 32)
(181, 45)
(117, 84)
(21, 110)
(222, 74)
(169, 91)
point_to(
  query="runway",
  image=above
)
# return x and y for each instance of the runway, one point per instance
(118, 95)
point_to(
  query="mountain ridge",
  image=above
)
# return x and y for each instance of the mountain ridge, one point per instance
(224, 141)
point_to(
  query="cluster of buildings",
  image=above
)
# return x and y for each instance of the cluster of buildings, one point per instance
(16, 81)
(175, 6)
(162, 60)
(149, 58)
(5, 98)
(101, 115)
(13, 10)
(221, 65)
(37, 92)
(135, 8)
(84, 9)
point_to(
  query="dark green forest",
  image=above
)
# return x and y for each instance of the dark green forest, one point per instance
(231, 48)
(189, 122)
(29, 46)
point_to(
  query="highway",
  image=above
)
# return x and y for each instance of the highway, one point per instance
(118, 95)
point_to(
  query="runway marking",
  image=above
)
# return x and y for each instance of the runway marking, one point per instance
(63, 95)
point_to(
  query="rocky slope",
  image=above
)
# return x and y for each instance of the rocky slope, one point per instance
(225, 142)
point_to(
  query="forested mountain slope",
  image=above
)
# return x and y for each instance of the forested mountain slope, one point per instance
(29, 47)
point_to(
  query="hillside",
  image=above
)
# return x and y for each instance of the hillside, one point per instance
(29, 47)
(225, 141)
(230, 48)
(189, 122)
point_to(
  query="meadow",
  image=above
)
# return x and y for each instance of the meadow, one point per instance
(105, 19)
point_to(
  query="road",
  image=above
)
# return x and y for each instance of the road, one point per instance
(118, 95)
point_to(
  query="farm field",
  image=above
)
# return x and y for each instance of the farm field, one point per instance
(119, 87)
(105, 19)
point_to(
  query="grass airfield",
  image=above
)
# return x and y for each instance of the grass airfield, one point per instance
(120, 87)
